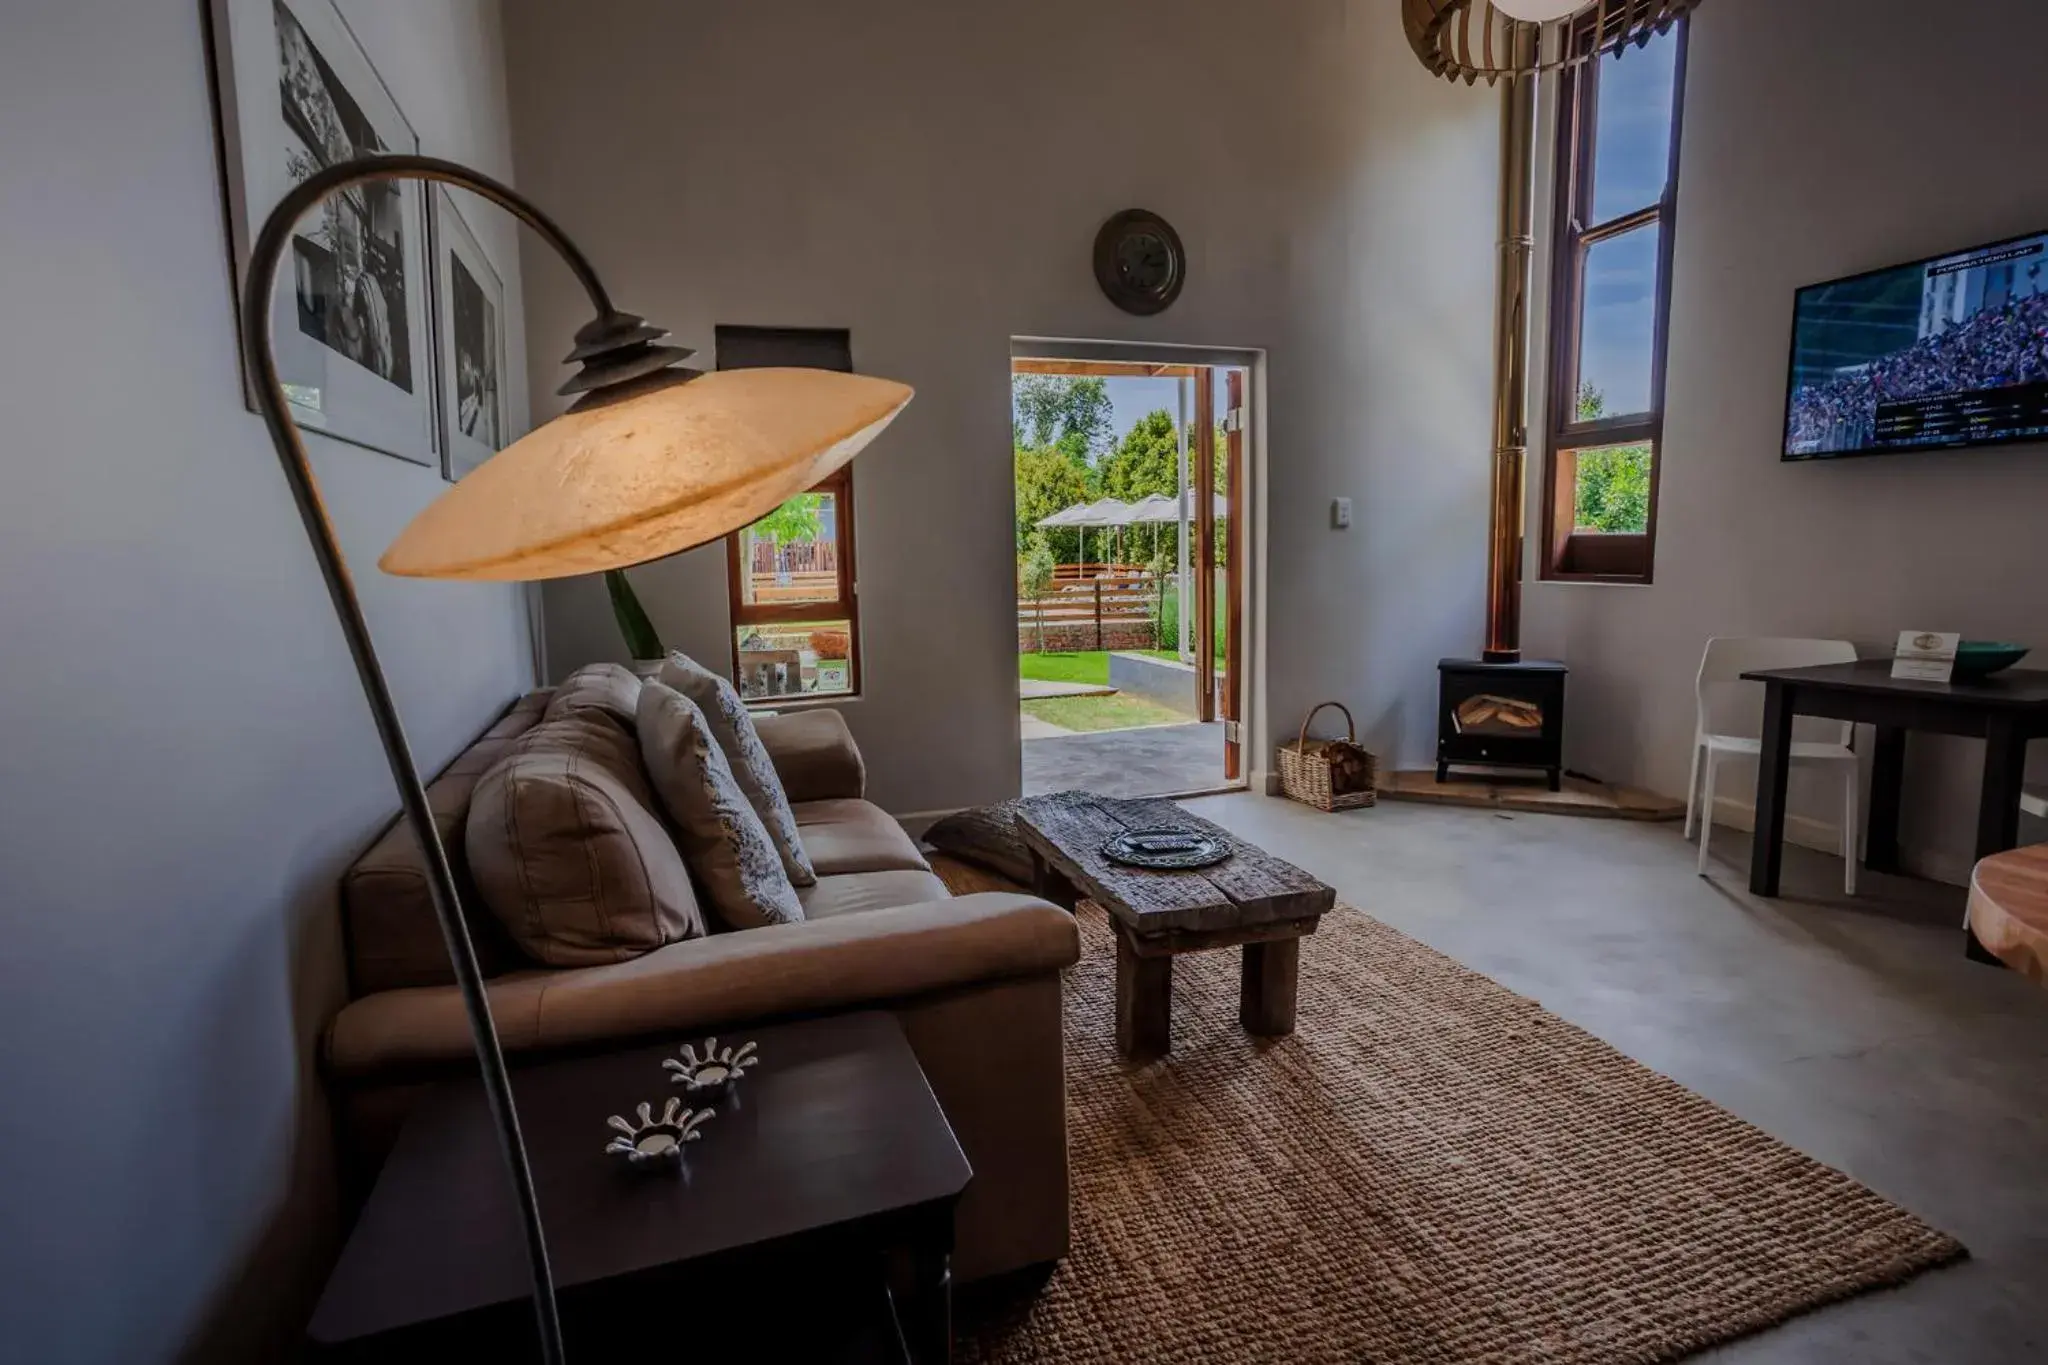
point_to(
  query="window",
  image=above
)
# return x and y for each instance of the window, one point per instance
(795, 620)
(1617, 184)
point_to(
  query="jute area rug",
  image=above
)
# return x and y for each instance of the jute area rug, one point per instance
(1431, 1169)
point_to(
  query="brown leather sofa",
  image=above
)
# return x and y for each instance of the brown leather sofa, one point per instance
(974, 979)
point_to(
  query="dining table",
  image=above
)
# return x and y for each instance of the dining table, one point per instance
(2006, 710)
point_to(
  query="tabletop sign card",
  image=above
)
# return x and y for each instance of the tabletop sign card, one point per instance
(1924, 656)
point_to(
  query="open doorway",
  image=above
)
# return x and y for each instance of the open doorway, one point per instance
(1132, 483)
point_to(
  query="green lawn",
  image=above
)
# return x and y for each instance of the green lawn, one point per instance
(1114, 711)
(1089, 666)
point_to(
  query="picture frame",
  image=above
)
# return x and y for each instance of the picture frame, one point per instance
(350, 320)
(469, 297)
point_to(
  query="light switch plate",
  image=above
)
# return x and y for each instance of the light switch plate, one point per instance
(1340, 513)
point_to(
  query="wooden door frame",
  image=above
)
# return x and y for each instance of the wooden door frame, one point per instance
(1204, 456)
(1244, 515)
(1234, 577)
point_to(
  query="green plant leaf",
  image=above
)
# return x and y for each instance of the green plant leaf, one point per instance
(640, 637)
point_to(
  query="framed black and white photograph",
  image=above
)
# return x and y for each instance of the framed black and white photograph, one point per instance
(350, 316)
(472, 339)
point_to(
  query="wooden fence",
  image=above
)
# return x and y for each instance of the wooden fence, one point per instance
(810, 586)
(1114, 611)
(806, 556)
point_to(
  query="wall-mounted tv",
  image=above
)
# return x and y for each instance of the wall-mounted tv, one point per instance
(1949, 351)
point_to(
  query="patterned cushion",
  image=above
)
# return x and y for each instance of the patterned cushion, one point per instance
(568, 852)
(987, 835)
(733, 730)
(723, 840)
(610, 688)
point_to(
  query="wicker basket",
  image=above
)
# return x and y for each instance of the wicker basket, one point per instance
(1329, 774)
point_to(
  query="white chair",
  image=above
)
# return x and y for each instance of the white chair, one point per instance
(1731, 719)
(2034, 801)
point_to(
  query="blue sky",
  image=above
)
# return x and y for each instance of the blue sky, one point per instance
(1630, 166)
(1132, 399)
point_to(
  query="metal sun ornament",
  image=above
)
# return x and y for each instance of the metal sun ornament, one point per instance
(655, 1143)
(715, 1073)
(1472, 40)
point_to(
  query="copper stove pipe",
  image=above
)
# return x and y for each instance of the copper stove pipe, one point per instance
(1511, 355)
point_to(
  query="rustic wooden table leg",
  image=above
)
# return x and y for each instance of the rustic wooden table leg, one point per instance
(1048, 884)
(1266, 991)
(1144, 1003)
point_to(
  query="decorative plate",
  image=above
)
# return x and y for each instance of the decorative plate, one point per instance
(1981, 658)
(1168, 850)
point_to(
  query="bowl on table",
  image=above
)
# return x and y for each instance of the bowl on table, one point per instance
(1982, 658)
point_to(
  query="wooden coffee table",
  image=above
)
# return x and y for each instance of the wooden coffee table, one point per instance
(1253, 900)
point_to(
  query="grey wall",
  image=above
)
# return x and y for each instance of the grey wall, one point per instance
(1821, 139)
(931, 175)
(185, 760)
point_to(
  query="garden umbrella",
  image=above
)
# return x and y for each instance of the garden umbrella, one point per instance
(1104, 513)
(1154, 509)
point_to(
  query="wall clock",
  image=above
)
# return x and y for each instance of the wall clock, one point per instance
(1139, 262)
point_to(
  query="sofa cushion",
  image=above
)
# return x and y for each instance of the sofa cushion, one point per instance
(393, 935)
(727, 850)
(568, 852)
(610, 688)
(814, 754)
(860, 891)
(734, 731)
(987, 835)
(860, 961)
(855, 836)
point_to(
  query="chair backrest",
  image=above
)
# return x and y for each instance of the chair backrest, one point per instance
(1729, 706)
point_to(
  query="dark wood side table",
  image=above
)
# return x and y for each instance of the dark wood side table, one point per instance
(832, 1148)
(1253, 900)
(2005, 710)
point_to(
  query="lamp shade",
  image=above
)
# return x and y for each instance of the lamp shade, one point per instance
(672, 466)
(1539, 11)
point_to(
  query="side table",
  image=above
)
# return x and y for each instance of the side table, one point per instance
(832, 1147)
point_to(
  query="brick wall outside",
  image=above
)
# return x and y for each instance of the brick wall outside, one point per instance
(1070, 637)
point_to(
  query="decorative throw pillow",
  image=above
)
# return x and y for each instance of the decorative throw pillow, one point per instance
(610, 688)
(566, 849)
(987, 835)
(723, 839)
(732, 729)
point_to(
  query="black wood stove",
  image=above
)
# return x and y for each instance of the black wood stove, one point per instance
(1504, 715)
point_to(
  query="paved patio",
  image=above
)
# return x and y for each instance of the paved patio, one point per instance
(1157, 760)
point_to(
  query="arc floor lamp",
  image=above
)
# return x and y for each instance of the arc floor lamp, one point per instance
(651, 459)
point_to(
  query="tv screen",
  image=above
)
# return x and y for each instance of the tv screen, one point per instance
(1950, 351)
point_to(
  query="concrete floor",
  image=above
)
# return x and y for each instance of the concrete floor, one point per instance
(1853, 1030)
(1157, 760)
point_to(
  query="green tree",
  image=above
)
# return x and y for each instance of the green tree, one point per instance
(793, 523)
(1146, 461)
(1034, 579)
(1047, 482)
(1613, 492)
(1592, 403)
(1068, 413)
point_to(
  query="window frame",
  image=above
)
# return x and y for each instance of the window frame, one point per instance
(846, 607)
(1568, 554)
